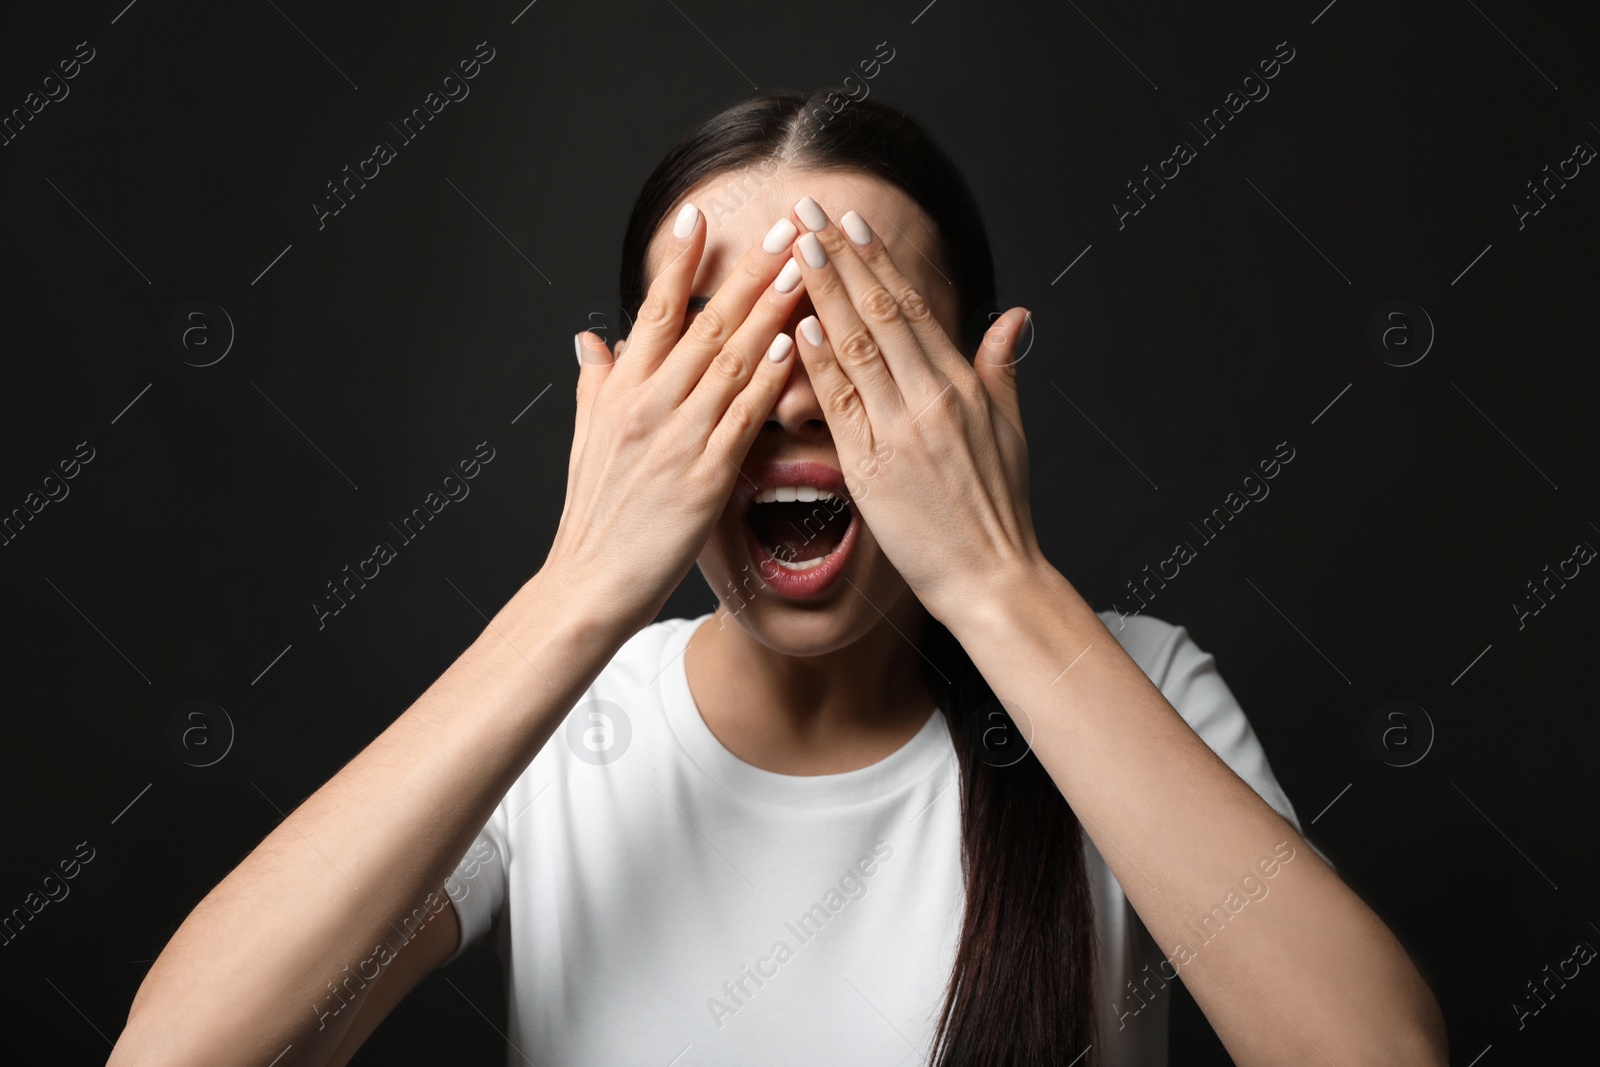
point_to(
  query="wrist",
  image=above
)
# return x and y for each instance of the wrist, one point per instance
(586, 613)
(1012, 599)
(527, 667)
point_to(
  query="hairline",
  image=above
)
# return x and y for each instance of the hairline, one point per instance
(800, 166)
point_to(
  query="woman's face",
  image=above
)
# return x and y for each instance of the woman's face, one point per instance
(758, 555)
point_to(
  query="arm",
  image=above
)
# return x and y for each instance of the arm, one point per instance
(432, 947)
(1307, 972)
(1307, 975)
(290, 948)
(248, 973)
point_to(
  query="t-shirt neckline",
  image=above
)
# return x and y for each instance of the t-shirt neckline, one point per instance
(927, 749)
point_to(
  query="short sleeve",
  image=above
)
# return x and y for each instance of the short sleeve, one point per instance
(477, 886)
(1187, 676)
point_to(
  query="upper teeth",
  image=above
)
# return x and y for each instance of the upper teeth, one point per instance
(788, 493)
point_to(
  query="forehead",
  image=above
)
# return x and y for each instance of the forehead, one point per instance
(741, 205)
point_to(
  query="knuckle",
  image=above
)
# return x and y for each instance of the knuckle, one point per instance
(842, 396)
(708, 471)
(878, 306)
(730, 365)
(832, 241)
(944, 410)
(710, 326)
(738, 420)
(914, 308)
(633, 422)
(947, 405)
(827, 284)
(856, 349)
(655, 310)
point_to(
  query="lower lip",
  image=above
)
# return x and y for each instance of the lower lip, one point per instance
(806, 584)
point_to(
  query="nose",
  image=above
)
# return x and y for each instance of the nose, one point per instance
(797, 411)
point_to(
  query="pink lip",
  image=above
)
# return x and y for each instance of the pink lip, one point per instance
(795, 585)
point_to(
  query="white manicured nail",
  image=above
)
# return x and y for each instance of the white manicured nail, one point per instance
(811, 248)
(577, 347)
(788, 277)
(778, 238)
(812, 329)
(857, 228)
(688, 215)
(811, 213)
(780, 348)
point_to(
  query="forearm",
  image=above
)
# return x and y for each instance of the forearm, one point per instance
(245, 970)
(1306, 970)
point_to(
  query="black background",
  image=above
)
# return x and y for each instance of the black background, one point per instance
(1229, 315)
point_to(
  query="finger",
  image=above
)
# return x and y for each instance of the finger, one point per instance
(745, 414)
(996, 363)
(594, 367)
(659, 323)
(943, 353)
(841, 401)
(723, 315)
(866, 329)
(731, 368)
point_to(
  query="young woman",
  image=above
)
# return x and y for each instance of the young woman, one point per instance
(903, 798)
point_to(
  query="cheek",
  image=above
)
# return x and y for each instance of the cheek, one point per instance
(723, 550)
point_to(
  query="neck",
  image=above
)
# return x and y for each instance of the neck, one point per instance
(826, 713)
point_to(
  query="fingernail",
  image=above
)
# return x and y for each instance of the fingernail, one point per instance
(811, 213)
(994, 343)
(778, 238)
(857, 228)
(577, 347)
(788, 277)
(811, 248)
(688, 215)
(812, 329)
(780, 348)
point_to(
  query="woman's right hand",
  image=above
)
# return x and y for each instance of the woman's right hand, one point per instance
(662, 430)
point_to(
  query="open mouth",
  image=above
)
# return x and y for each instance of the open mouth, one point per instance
(799, 526)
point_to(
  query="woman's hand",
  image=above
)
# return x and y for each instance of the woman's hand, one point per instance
(662, 430)
(947, 494)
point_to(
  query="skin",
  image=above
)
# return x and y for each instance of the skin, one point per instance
(1309, 974)
(832, 684)
(1306, 975)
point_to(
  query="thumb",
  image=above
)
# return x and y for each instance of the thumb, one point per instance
(594, 365)
(591, 351)
(1003, 347)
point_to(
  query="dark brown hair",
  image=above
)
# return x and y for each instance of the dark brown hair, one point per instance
(1021, 992)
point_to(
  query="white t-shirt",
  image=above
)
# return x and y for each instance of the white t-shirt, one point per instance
(657, 900)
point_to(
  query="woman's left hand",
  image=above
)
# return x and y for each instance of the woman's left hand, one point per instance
(931, 446)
